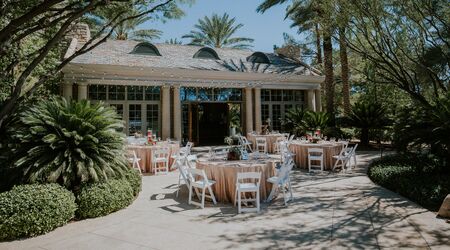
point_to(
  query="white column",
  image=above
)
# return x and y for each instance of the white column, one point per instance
(67, 90)
(165, 112)
(82, 91)
(258, 122)
(248, 110)
(177, 113)
(318, 100)
(311, 99)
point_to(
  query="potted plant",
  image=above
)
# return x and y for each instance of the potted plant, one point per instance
(235, 152)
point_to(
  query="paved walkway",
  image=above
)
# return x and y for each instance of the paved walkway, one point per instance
(329, 211)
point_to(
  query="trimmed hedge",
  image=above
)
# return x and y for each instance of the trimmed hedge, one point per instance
(421, 178)
(102, 198)
(135, 179)
(30, 210)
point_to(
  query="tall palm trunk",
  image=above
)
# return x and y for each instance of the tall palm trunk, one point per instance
(328, 68)
(344, 70)
(318, 44)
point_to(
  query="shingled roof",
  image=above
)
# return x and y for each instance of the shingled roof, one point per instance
(115, 52)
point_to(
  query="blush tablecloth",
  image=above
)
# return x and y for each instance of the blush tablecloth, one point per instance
(301, 153)
(225, 172)
(270, 138)
(144, 152)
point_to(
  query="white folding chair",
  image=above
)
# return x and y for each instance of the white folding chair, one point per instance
(245, 143)
(353, 156)
(243, 186)
(276, 145)
(184, 163)
(134, 160)
(343, 158)
(160, 160)
(198, 179)
(282, 181)
(261, 145)
(315, 154)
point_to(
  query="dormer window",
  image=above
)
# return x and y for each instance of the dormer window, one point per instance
(146, 49)
(258, 57)
(206, 53)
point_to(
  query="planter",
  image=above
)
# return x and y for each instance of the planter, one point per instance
(233, 156)
(232, 131)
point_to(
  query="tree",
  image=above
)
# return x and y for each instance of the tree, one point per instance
(306, 14)
(173, 41)
(126, 30)
(32, 38)
(217, 31)
(409, 43)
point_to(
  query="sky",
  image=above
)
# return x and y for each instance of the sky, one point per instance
(267, 29)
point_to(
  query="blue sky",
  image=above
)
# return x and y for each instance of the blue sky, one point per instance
(267, 29)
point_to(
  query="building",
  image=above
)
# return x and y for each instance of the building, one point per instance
(189, 92)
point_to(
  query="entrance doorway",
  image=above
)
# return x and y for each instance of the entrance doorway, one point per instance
(208, 123)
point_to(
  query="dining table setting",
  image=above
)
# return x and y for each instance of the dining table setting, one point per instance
(144, 150)
(300, 150)
(271, 139)
(224, 173)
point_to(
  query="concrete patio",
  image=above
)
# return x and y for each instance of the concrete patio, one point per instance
(329, 210)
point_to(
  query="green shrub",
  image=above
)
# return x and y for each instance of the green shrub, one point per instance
(421, 178)
(30, 210)
(135, 179)
(102, 198)
(68, 142)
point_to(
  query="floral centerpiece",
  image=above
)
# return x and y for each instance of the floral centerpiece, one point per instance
(235, 152)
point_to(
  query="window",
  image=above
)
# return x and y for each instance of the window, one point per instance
(153, 118)
(135, 92)
(188, 94)
(134, 118)
(146, 49)
(205, 95)
(152, 93)
(265, 95)
(206, 53)
(276, 95)
(258, 57)
(116, 92)
(118, 108)
(276, 102)
(97, 92)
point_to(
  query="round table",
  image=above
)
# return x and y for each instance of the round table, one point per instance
(145, 152)
(270, 138)
(300, 149)
(225, 172)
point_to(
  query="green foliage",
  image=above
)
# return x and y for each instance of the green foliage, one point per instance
(31, 210)
(300, 121)
(417, 126)
(68, 142)
(421, 178)
(217, 31)
(102, 198)
(366, 116)
(135, 179)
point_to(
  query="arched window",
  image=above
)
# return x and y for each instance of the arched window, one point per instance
(206, 53)
(258, 57)
(146, 49)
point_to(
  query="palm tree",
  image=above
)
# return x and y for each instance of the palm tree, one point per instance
(306, 14)
(68, 142)
(217, 31)
(366, 116)
(126, 30)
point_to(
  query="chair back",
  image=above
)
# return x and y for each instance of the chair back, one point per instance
(194, 173)
(291, 138)
(161, 152)
(315, 151)
(243, 177)
(131, 154)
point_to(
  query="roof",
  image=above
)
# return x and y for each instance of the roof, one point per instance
(117, 52)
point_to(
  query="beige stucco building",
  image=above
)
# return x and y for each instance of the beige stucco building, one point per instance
(190, 92)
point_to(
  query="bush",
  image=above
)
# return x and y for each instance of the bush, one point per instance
(67, 142)
(30, 210)
(102, 198)
(135, 179)
(421, 178)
